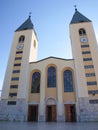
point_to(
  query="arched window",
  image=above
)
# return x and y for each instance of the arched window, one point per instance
(68, 81)
(51, 79)
(21, 38)
(35, 86)
(82, 32)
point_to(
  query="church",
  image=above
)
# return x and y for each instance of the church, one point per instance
(52, 89)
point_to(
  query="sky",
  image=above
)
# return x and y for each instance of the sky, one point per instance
(51, 19)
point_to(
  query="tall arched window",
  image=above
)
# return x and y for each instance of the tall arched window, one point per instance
(51, 79)
(21, 38)
(35, 86)
(68, 81)
(82, 32)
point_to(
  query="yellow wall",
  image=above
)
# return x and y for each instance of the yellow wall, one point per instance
(58, 91)
(35, 97)
(69, 96)
(78, 56)
(27, 55)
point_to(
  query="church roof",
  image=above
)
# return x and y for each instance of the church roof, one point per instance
(78, 18)
(26, 25)
(52, 57)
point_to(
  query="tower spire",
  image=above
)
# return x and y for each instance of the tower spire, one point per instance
(78, 17)
(26, 25)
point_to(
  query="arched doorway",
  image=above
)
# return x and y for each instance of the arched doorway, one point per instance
(51, 113)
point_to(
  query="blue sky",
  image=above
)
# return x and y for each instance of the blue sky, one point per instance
(51, 20)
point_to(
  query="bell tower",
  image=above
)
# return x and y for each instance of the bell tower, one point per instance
(15, 87)
(85, 54)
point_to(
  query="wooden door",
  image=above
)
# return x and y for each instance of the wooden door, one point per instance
(70, 113)
(67, 113)
(73, 113)
(33, 113)
(51, 113)
(54, 113)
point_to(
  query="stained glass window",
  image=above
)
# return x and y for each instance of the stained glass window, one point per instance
(51, 77)
(68, 81)
(35, 86)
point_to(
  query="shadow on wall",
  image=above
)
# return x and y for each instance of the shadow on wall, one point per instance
(0, 94)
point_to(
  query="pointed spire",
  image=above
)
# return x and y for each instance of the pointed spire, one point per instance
(26, 25)
(78, 17)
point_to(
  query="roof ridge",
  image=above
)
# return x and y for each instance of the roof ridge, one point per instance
(51, 57)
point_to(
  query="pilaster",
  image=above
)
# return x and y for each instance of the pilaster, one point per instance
(42, 98)
(60, 110)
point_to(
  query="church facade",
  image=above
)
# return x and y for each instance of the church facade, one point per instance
(52, 89)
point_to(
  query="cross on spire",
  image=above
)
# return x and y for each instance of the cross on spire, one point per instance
(30, 14)
(75, 7)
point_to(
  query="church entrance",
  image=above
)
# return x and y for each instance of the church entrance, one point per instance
(70, 112)
(33, 113)
(51, 113)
